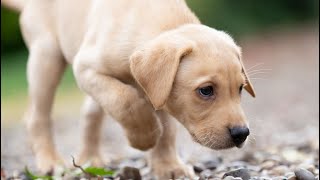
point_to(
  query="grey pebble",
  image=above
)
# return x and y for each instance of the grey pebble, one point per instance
(249, 157)
(293, 177)
(303, 174)
(206, 174)
(260, 178)
(238, 164)
(129, 173)
(268, 164)
(232, 178)
(198, 167)
(289, 174)
(243, 173)
(280, 178)
(212, 165)
(280, 170)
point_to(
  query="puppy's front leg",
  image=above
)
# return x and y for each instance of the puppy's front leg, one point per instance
(91, 141)
(120, 100)
(164, 159)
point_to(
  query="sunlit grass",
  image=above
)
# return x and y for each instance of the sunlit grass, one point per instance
(14, 88)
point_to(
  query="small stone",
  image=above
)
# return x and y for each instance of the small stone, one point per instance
(219, 175)
(112, 167)
(305, 147)
(140, 163)
(212, 165)
(293, 177)
(293, 155)
(249, 157)
(308, 167)
(264, 178)
(274, 158)
(129, 173)
(198, 167)
(289, 174)
(206, 174)
(268, 164)
(264, 172)
(280, 170)
(303, 174)
(232, 178)
(15, 174)
(253, 168)
(280, 178)
(145, 171)
(254, 178)
(222, 168)
(23, 176)
(243, 173)
(238, 164)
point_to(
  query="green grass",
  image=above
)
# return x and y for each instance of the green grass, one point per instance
(14, 89)
(13, 76)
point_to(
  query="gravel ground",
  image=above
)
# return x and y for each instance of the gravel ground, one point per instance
(284, 120)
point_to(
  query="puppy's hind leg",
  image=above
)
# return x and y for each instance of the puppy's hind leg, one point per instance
(91, 139)
(44, 71)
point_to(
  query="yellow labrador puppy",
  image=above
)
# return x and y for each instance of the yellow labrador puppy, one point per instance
(139, 61)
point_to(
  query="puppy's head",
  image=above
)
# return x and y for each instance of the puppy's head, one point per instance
(196, 74)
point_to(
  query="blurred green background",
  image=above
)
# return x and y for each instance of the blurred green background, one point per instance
(238, 18)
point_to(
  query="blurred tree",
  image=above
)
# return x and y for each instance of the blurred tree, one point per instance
(11, 38)
(250, 16)
(236, 17)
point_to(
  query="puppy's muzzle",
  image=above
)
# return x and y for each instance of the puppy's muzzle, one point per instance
(239, 135)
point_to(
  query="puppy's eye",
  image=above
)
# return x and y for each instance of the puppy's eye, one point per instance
(240, 89)
(206, 91)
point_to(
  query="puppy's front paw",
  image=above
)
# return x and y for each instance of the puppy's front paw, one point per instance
(141, 125)
(173, 170)
(143, 140)
(47, 162)
(96, 159)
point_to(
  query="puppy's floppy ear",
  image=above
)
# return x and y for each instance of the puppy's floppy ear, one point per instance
(154, 66)
(248, 86)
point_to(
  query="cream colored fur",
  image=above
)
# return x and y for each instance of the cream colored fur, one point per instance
(132, 57)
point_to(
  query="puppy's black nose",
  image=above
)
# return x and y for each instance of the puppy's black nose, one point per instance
(239, 134)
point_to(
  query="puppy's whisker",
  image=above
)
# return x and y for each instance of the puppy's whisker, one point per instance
(251, 140)
(259, 70)
(259, 78)
(254, 66)
(254, 135)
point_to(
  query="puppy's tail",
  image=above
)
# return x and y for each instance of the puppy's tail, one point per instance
(16, 5)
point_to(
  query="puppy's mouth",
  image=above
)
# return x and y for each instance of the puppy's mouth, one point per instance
(212, 143)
